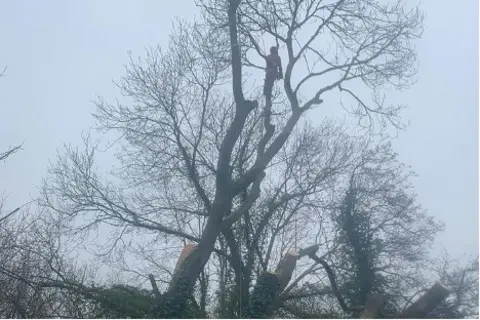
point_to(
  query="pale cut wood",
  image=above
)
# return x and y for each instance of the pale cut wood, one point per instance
(186, 251)
(286, 266)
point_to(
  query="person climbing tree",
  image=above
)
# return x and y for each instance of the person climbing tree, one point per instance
(273, 72)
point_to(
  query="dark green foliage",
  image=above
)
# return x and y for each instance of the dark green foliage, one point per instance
(263, 296)
(122, 301)
(360, 251)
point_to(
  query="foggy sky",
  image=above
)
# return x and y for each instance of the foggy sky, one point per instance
(62, 54)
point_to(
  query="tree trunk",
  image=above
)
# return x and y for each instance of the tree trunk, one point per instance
(173, 304)
(270, 285)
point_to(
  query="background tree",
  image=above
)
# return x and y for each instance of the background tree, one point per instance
(30, 252)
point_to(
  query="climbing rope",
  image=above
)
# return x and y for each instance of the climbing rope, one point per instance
(275, 25)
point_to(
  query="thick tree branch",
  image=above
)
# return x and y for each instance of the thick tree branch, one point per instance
(426, 303)
(252, 197)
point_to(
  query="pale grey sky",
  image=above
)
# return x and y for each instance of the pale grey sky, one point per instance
(61, 54)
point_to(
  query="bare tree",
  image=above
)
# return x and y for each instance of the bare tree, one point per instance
(203, 163)
(34, 258)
